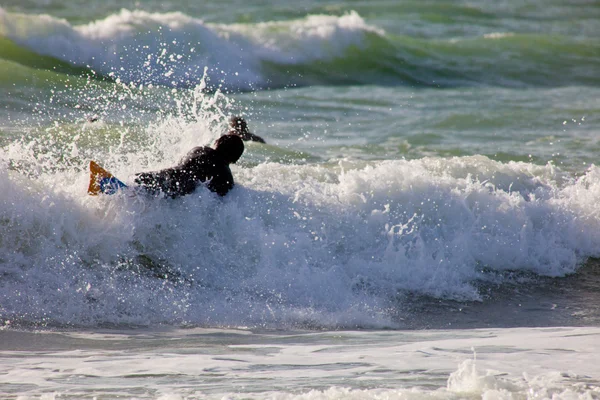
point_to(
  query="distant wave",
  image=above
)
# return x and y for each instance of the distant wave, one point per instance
(173, 49)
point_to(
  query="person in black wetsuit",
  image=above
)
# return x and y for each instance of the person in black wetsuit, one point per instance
(239, 126)
(201, 165)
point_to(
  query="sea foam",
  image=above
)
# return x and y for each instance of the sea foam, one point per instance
(326, 244)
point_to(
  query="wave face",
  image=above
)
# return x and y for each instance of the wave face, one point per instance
(173, 49)
(333, 244)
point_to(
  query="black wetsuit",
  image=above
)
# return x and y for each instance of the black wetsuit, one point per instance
(202, 164)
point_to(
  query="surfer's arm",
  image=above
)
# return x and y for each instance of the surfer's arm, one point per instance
(247, 136)
(254, 138)
(222, 182)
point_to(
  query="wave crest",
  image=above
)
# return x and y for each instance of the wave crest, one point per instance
(173, 49)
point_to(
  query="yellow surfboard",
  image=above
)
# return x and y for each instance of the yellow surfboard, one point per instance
(102, 181)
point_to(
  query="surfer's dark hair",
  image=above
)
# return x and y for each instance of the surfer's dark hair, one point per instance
(230, 147)
(239, 124)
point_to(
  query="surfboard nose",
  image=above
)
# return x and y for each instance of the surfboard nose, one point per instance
(96, 173)
(102, 181)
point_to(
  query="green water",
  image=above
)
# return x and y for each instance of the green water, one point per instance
(511, 80)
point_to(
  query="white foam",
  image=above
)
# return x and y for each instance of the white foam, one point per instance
(329, 244)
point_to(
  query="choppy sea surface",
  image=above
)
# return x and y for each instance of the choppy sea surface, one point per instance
(423, 221)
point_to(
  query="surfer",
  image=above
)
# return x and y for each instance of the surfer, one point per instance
(202, 164)
(239, 127)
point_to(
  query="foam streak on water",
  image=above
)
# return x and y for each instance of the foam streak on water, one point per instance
(205, 364)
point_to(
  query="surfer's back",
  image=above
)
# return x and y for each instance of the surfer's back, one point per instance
(202, 164)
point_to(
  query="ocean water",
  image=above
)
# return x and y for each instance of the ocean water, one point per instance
(423, 221)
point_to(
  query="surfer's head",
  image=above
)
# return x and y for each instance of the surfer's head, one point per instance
(238, 124)
(230, 147)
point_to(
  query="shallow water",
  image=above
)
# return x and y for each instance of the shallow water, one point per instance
(205, 364)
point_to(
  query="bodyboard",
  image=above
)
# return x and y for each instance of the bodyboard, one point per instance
(102, 181)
